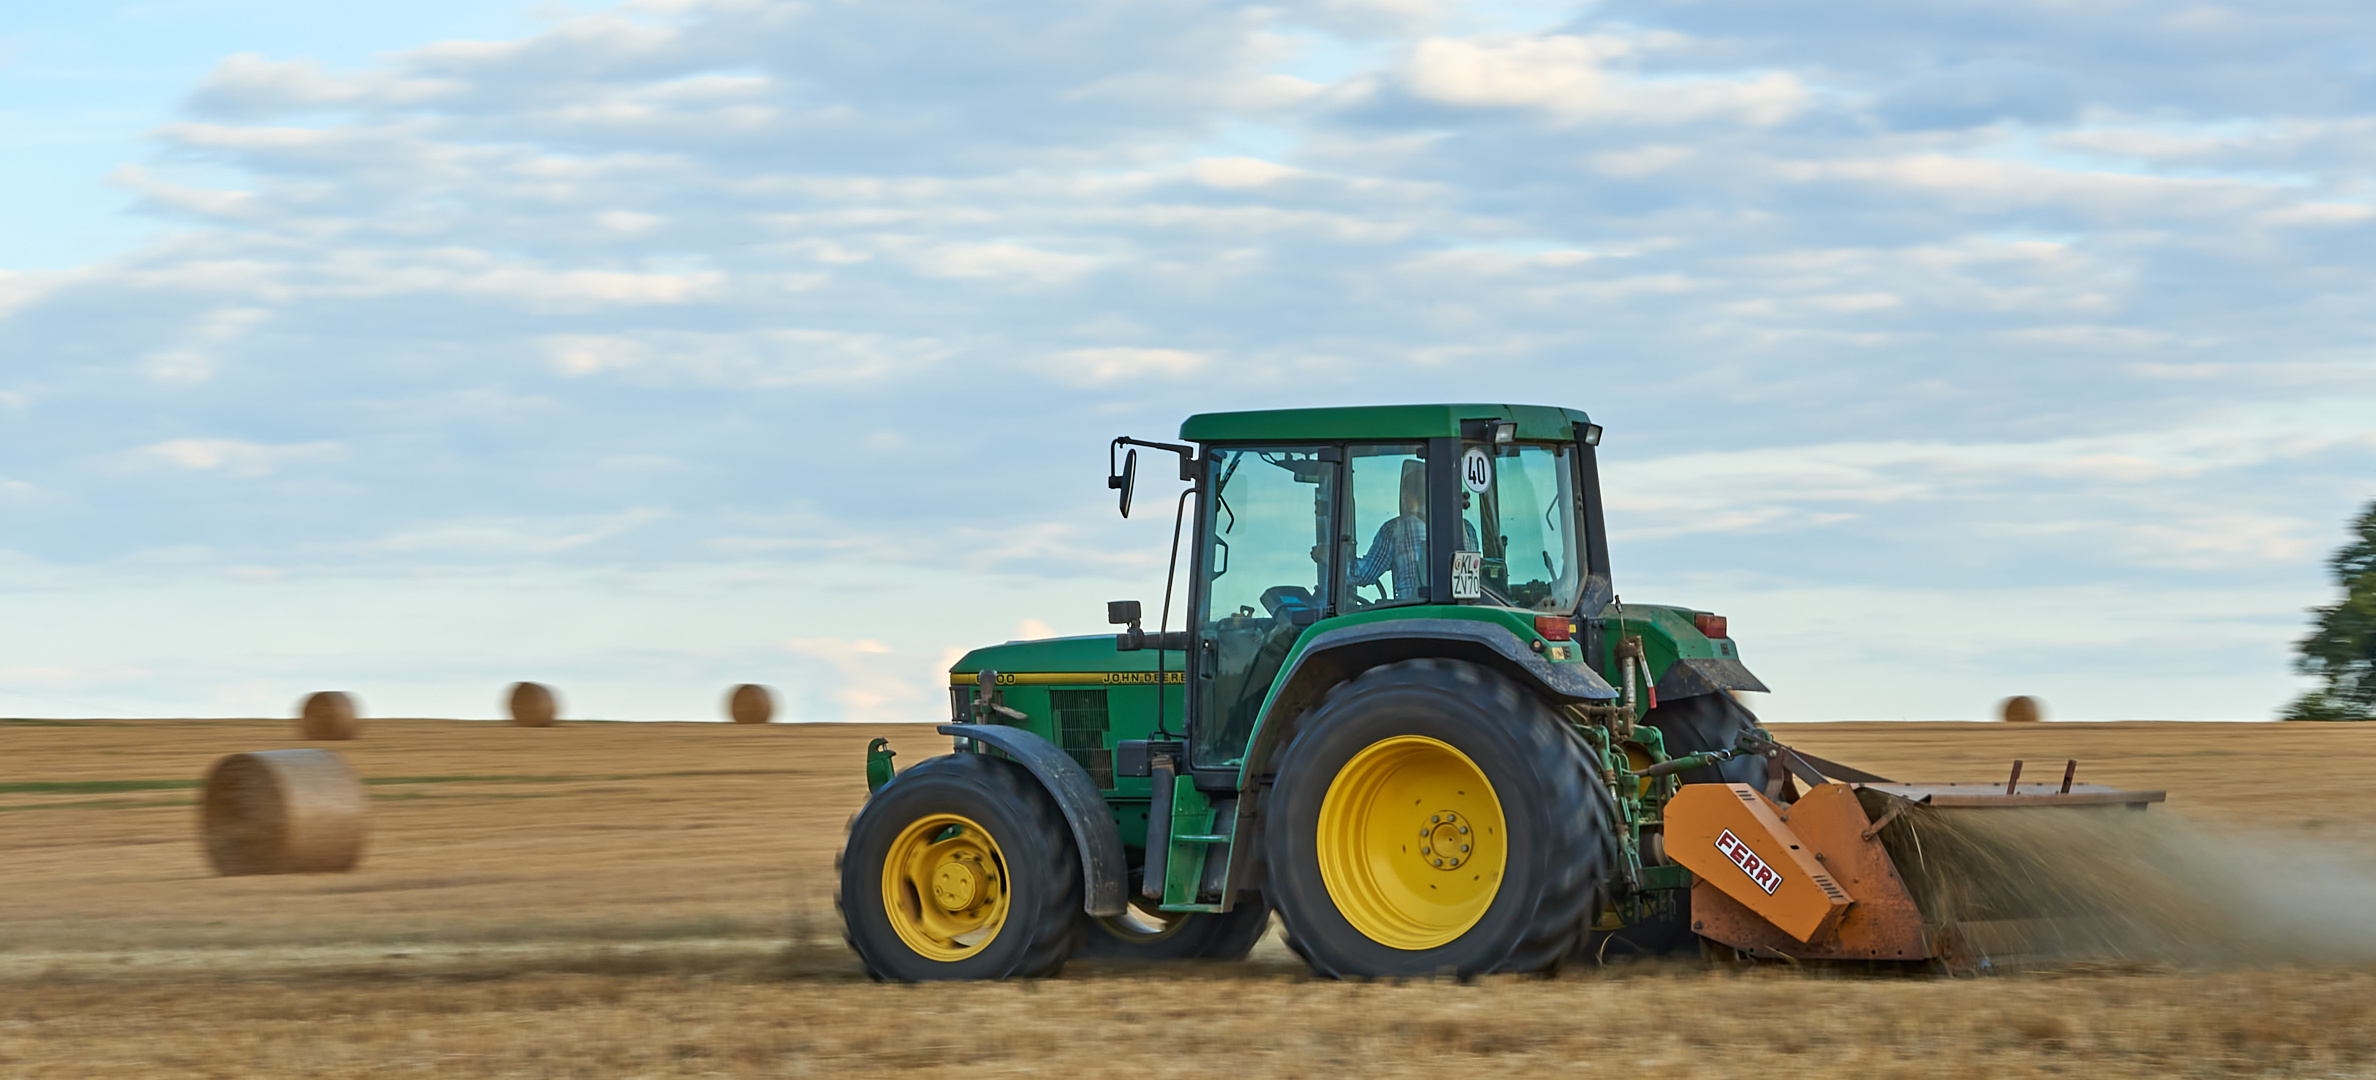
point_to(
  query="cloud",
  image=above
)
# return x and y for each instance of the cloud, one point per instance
(231, 457)
(1002, 262)
(16, 289)
(868, 681)
(1235, 173)
(251, 86)
(773, 358)
(1985, 92)
(2033, 295)
(1092, 366)
(192, 360)
(1570, 76)
(516, 536)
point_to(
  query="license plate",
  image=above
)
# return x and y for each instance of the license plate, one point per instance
(1468, 575)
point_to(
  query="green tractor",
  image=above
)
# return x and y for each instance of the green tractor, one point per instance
(1407, 713)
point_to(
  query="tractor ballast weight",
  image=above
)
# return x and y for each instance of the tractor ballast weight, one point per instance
(1486, 765)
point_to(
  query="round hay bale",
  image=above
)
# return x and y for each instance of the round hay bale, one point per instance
(328, 715)
(283, 812)
(751, 703)
(2021, 710)
(534, 705)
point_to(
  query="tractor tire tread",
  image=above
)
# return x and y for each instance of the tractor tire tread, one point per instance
(1056, 924)
(1573, 849)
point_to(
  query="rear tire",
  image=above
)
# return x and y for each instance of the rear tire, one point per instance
(1709, 722)
(961, 868)
(1144, 933)
(1424, 755)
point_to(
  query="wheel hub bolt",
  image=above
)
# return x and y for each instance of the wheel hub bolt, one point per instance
(1444, 832)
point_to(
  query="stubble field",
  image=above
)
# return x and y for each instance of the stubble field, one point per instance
(655, 900)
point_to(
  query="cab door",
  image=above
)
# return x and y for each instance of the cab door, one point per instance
(1266, 551)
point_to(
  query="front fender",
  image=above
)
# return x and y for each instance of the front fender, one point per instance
(1104, 870)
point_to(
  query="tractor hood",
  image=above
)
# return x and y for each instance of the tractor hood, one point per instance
(1089, 660)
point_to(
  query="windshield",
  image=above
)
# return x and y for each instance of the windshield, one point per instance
(1265, 579)
(1527, 520)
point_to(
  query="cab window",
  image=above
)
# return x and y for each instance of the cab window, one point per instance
(1266, 575)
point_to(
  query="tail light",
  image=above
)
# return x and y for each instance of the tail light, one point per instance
(1554, 627)
(1709, 625)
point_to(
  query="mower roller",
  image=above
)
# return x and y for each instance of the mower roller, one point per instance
(1408, 713)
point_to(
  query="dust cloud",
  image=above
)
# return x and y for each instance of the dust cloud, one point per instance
(2044, 885)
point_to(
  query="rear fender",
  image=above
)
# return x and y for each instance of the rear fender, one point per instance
(1334, 656)
(1688, 662)
(1693, 676)
(1103, 868)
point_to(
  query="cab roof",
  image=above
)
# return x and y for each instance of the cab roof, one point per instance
(1383, 422)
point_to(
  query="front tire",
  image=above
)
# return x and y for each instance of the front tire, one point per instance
(961, 868)
(1430, 817)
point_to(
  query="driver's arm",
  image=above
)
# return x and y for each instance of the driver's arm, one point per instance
(1370, 567)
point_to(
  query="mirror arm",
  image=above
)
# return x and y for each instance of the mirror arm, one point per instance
(1137, 639)
(1187, 455)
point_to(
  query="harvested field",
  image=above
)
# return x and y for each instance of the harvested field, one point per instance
(655, 900)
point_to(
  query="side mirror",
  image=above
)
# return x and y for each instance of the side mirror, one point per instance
(1126, 613)
(1127, 481)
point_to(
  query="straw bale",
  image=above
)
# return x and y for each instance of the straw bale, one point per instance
(328, 715)
(283, 812)
(751, 703)
(2021, 710)
(534, 705)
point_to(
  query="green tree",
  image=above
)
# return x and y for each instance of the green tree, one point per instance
(2341, 648)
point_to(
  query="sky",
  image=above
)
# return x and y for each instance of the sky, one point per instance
(1952, 350)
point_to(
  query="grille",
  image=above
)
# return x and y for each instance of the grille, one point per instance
(1081, 731)
(961, 704)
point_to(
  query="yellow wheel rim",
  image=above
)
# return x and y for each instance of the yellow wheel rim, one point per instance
(1412, 842)
(945, 887)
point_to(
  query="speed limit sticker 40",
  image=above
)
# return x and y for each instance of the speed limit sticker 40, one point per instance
(1476, 469)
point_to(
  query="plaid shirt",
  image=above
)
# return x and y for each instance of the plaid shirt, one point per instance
(1401, 546)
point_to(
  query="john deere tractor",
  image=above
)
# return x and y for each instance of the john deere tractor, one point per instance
(1407, 712)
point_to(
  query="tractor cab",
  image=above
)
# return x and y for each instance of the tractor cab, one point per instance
(1327, 518)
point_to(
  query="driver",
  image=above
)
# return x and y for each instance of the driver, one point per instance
(1401, 543)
